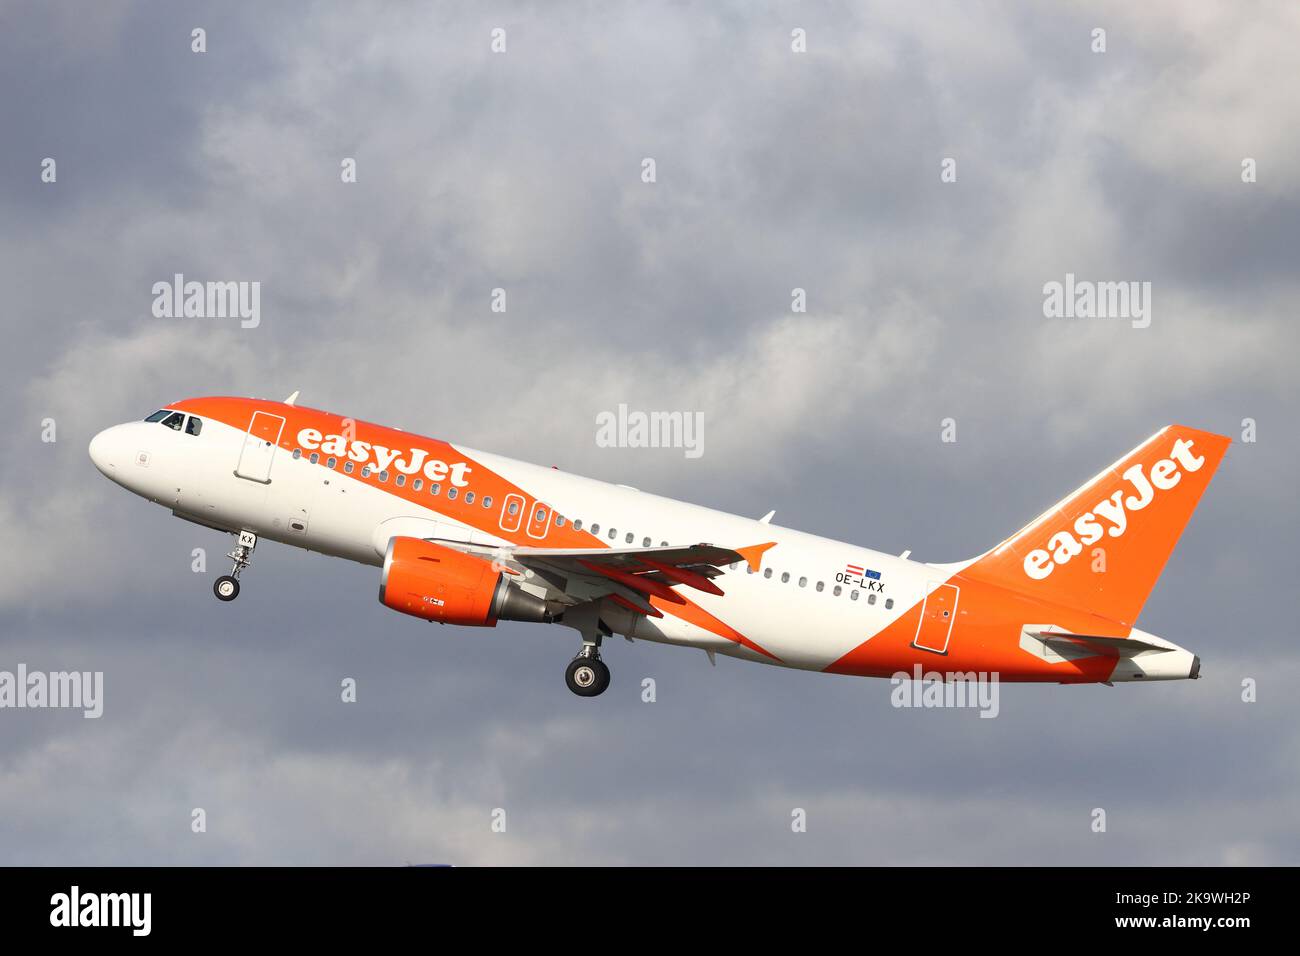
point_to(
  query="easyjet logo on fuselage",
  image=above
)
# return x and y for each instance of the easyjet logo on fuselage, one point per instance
(1115, 510)
(381, 458)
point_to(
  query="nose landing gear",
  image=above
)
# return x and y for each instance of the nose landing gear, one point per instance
(226, 587)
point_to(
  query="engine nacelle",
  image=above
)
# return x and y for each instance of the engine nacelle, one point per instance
(451, 587)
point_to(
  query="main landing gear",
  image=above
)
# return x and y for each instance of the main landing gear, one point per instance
(226, 587)
(587, 675)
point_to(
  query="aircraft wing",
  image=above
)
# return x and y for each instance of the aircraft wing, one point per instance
(630, 559)
(632, 576)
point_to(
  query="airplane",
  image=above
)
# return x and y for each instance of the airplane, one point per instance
(471, 538)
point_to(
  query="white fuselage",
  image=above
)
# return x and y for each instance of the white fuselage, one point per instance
(337, 514)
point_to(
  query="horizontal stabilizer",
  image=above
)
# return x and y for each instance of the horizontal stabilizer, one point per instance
(1126, 646)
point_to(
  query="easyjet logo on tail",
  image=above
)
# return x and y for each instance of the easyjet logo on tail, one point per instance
(1115, 510)
(381, 458)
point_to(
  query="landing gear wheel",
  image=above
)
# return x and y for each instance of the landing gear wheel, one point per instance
(587, 676)
(225, 588)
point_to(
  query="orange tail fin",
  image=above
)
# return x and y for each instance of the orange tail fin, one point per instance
(1102, 548)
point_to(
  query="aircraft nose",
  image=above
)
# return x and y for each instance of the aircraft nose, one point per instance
(103, 453)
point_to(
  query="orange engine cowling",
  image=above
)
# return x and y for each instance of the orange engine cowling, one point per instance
(451, 587)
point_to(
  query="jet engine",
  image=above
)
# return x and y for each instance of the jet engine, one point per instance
(441, 584)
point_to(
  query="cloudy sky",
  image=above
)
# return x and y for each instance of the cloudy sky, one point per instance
(522, 170)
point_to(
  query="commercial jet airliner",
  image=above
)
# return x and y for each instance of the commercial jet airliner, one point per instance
(471, 538)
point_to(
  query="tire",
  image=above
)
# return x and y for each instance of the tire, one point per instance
(587, 676)
(225, 588)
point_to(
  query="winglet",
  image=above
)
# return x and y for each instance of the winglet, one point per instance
(767, 518)
(753, 554)
(291, 399)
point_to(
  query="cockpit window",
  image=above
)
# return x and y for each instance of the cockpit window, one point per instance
(194, 425)
(174, 420)
(158, 415)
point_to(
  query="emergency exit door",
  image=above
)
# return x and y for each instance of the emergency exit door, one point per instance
(937, 616)
(539, 520)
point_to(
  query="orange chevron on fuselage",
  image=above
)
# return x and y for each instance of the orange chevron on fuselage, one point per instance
(236, 412)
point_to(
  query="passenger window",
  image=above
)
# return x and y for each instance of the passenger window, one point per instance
(539, 514)
(645, 543)
(613, 533)
(803, 582)
(577, 524)
(595, 529)
(417, 484)
(767, 572)
(315, 457)
(821, 586)
(435, 488)
(889, 602)
(158, 415)
(297, 453)
(451, 494)
(331, 462)
(871, 598)
(174, 421)
(347, 467)
(663, 544)
(628, 539)
(513, 508)
(853, 595)
(469, 497)
(487, 501)
(365, 471)
(193, 426)
(785, 577)
(383, 475)
(401, 480)
(559, 521)
(837, 590)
